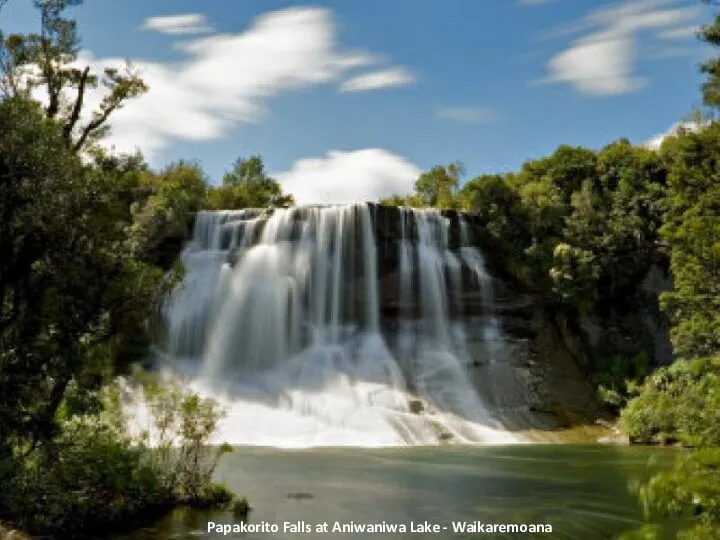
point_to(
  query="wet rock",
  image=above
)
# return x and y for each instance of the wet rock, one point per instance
(560, 415)
(615, 436)
(241, 508)
(387, 221)
(616, 439)
(416, 406)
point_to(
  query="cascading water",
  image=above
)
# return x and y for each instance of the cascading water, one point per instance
(279, 318)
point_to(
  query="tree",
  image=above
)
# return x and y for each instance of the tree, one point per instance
(681, 402)
(710, 34)
(394, 200)
(692, 227)
(66, 274)
(437, 187)
(247, 185)
(174, 194)
(48, 60)
(544, 212)
(566, 169)
(496, 202)
(499, 208)
(79, 278)
(616, 215)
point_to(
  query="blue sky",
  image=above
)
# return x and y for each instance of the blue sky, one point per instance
(349, 100)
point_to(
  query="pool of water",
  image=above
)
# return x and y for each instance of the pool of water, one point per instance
(582, 492)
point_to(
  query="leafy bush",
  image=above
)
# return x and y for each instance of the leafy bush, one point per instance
(89, 476)
(616, 379)
(182, 426)
(690, 491)
(96, 473)
(680, 402)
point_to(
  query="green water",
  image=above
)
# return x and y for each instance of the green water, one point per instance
(583, 492)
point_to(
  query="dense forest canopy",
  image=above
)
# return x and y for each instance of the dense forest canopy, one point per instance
(80, 273)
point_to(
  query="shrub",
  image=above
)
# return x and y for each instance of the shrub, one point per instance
(680, 402)
(616, 379)
(95, 472)
(690, 491)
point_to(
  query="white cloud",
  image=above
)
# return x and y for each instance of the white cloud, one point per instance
(601, 62)
(344, 177)
(466, 115)
(191, 23)
(656, 141)
(597, 67)
(386, 78)
(226, 79)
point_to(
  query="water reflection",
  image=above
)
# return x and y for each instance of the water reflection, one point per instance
(581, 491)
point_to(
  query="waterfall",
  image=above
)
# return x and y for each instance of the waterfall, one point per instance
(279, 317)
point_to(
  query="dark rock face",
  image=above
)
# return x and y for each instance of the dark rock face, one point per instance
(537, 379)
(168, 251)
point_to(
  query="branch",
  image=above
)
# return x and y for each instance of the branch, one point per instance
(93, 126)
(8, 84)
(48, 72)
(122, 87)
(77, 108)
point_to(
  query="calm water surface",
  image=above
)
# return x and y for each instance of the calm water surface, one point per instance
(582, 491)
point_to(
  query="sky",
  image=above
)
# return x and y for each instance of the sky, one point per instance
(350, 100)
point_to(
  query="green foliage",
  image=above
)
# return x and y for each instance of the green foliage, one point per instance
(393, 200)
(247, 186)
(96, 474)
(498, 206)
(617, 378)
(48, 60)
(692, 228)
(680, 402)
(617, 214)
(66, 278)
(176, 193)
(710, 34)
(574, 273)
(688, 491)
(183, 424)
(90, 476)
(412, 201)
(437, 187)
(79, 278)
(580, 226)
(72, 299)
(566, 169)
